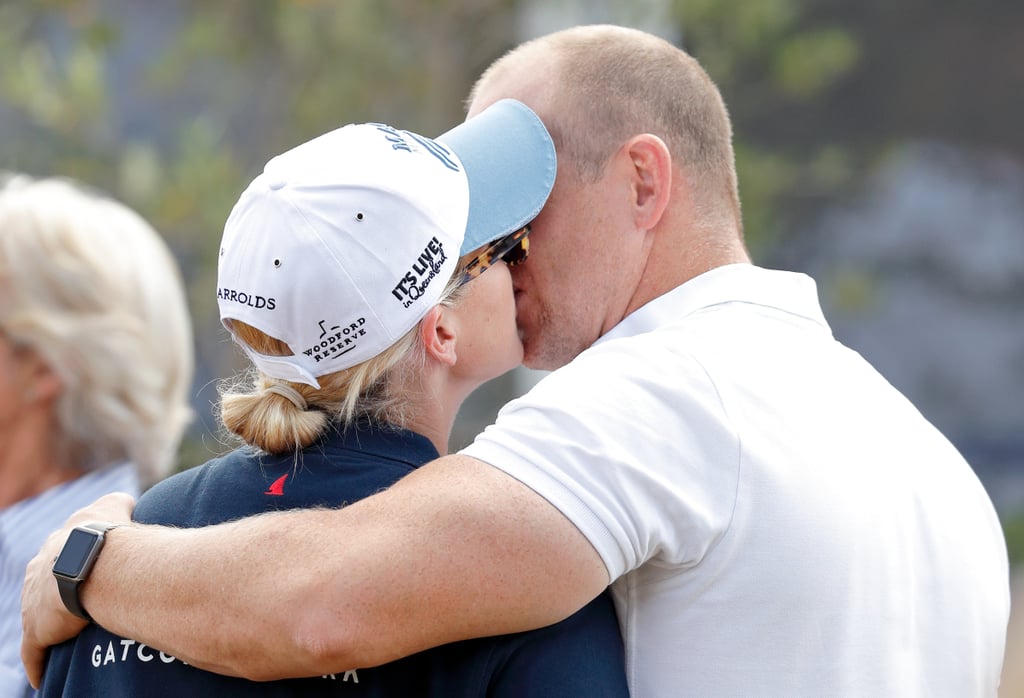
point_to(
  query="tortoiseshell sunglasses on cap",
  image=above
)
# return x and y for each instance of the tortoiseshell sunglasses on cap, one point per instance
(513, 249)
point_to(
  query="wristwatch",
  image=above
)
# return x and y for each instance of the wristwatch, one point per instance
(75, 561)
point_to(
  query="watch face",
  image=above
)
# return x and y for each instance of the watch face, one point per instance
(76, 553)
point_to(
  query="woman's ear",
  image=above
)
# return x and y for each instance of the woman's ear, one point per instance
(651, 177)
(439, 335)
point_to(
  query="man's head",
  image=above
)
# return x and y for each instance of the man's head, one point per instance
(646, 195)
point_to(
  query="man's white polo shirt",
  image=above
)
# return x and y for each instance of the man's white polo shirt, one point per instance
(778, 520)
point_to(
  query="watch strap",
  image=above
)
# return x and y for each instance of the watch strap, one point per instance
(69, 588)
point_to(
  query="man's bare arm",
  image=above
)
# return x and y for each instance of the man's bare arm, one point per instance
(457, 549)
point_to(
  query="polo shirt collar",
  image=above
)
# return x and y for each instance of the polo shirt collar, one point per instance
(384, 441)
(789, 292)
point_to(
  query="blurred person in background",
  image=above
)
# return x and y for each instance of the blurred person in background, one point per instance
(96, 363)
(317, 253)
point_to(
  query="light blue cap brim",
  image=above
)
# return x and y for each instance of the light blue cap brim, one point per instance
(510, 165)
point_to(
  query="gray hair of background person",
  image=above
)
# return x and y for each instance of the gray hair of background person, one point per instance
(95, 291)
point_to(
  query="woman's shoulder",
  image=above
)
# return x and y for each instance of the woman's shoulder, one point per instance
(178, 499)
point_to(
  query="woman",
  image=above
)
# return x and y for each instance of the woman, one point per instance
(95, 366)
(363, 274)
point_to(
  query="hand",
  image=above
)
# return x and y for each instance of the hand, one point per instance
(44, 619)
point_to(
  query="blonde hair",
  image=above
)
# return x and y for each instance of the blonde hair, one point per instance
(273, 423)
(93, 289)
(607, 83)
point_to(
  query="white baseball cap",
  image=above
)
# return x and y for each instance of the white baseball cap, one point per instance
(345, 242)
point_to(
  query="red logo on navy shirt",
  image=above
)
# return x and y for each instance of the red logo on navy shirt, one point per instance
(277, 487)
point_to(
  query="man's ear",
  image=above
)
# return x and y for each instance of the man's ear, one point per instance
(651, 178)
(438, 332)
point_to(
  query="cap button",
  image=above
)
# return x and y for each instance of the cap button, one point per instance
(277, 183)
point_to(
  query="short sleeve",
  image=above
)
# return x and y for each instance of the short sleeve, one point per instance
(639, 454)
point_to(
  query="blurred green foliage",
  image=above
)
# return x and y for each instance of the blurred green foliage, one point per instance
(768, 56)
(1013, 528)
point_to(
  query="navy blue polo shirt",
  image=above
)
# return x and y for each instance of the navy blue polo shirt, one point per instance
(580, 656)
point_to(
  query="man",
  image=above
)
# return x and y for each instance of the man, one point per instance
(774, 518)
